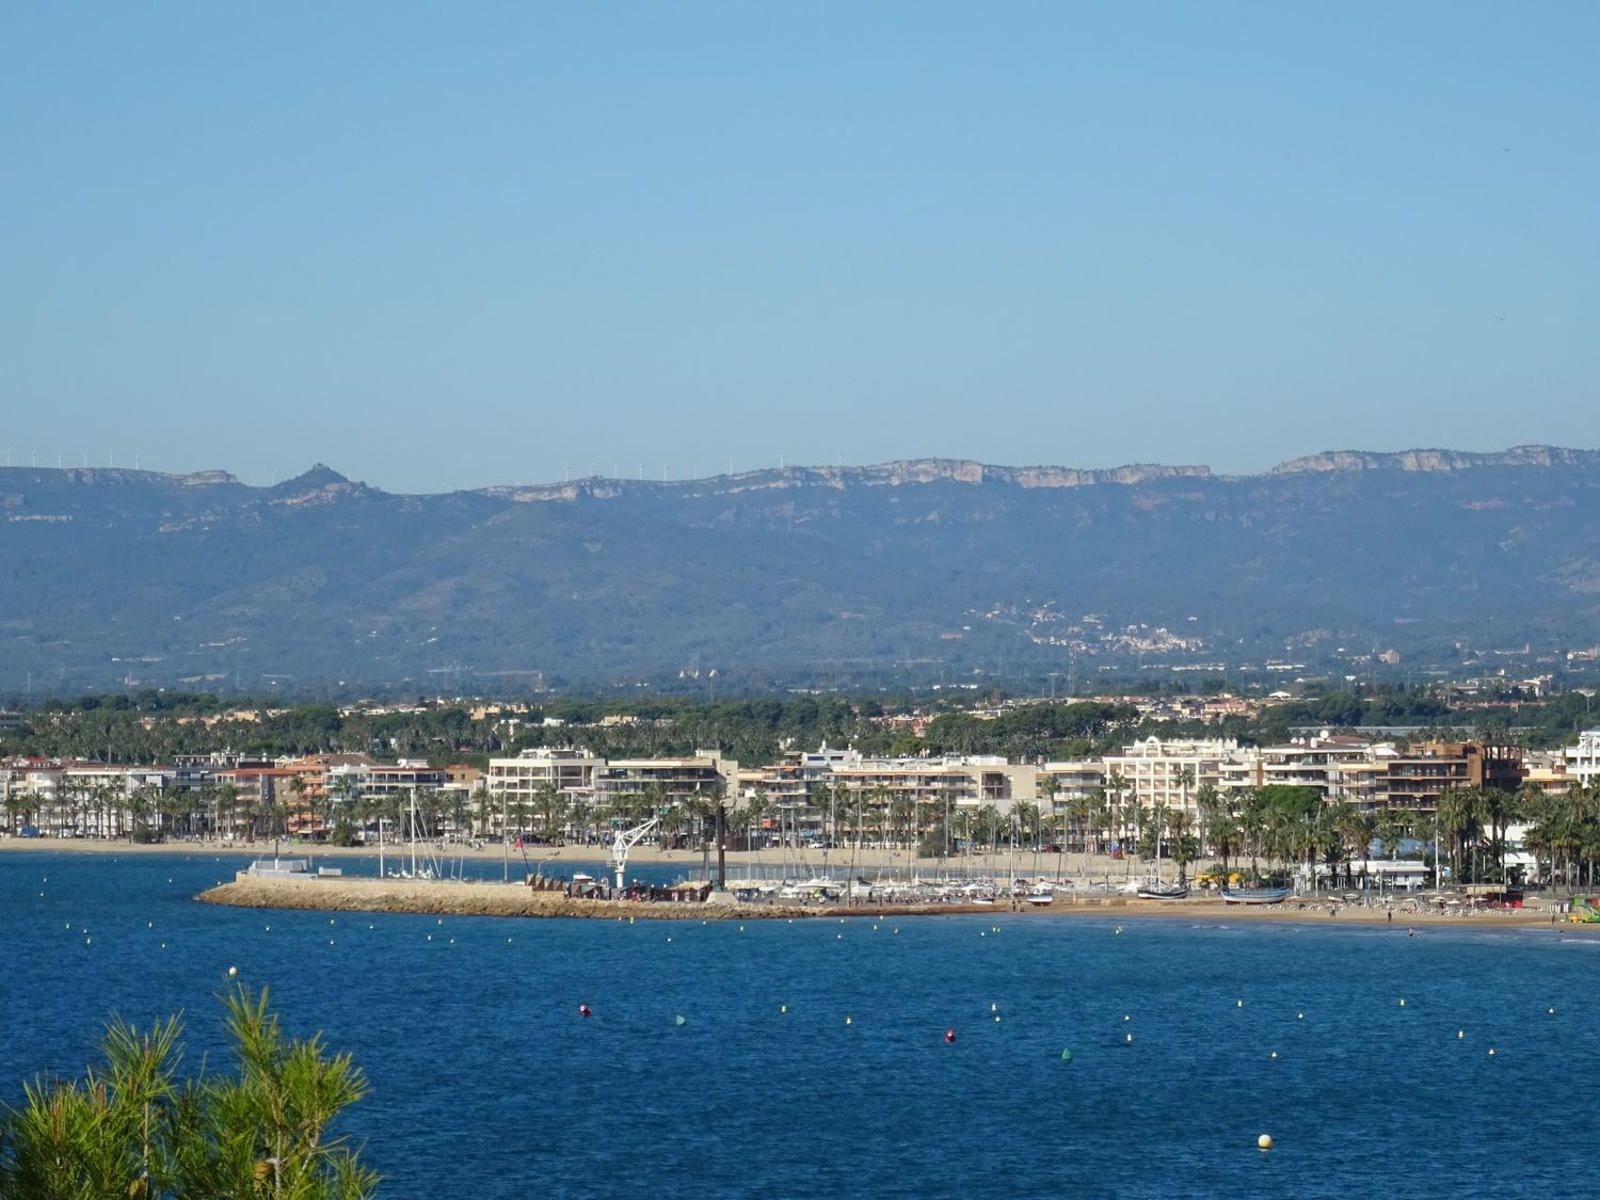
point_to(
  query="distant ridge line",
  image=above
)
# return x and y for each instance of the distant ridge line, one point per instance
(895, 473)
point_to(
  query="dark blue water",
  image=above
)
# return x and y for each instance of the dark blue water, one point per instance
(487, 1083)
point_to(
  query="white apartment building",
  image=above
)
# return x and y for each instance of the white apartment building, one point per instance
(521, 778)
(1583, 760)
(1155, 772)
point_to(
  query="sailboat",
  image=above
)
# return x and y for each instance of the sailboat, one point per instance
(1155, 889)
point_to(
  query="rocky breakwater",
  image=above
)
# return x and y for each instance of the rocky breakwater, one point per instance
(463, 899)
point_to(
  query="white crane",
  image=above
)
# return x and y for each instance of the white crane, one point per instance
(626, 840)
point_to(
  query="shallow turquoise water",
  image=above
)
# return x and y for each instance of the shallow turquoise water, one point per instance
(488, 1083)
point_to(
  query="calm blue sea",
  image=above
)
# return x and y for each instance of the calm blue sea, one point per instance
(486, 1082)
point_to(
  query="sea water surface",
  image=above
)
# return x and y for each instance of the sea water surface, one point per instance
(810, 1060)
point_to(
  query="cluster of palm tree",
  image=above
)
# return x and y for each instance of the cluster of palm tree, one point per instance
(1267, 825)
(1564, 834)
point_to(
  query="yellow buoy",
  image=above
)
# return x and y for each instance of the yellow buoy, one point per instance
(1264, 1142)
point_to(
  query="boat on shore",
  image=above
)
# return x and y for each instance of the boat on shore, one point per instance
(1163, 891)
(1255, 895)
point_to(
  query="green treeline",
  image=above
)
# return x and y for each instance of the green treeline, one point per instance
(151, 727)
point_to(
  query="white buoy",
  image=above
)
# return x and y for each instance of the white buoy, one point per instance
(232, 971)
(1264, 1142)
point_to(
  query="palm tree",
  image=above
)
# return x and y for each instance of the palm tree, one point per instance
(1047, 788)
(1209, 807)
(1183, 843)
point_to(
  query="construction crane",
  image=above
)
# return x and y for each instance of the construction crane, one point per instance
(626, 840)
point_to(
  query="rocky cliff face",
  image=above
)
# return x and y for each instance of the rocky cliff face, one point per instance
(1438, 460)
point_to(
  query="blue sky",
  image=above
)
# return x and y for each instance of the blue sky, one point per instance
(449, 245)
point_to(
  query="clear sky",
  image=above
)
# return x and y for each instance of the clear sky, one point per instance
(451, 244)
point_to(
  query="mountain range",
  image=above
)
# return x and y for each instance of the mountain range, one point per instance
(831, 576)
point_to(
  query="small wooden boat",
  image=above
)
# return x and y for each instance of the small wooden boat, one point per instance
(1163, 891)
(1255, 895)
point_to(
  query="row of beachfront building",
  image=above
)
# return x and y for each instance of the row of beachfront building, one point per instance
(565, 790)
